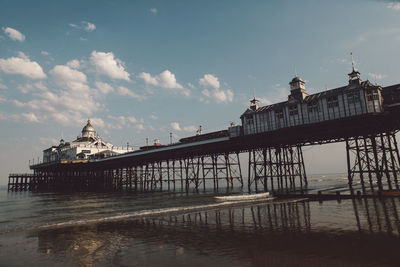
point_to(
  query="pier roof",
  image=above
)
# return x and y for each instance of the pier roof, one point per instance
(311, 98)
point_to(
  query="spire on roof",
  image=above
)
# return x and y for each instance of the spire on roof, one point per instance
(354, 75)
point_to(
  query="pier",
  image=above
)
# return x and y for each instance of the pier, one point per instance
(23, 182)
(268, 146)
(275, 161)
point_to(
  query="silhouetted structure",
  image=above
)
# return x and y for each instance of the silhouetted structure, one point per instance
(363, 115)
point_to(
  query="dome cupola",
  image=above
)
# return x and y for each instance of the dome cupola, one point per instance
(254, 104)
(354, 76)
(297, 83)
(297, 89)
(88, 130)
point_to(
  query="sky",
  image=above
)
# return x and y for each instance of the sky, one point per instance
(145, 69)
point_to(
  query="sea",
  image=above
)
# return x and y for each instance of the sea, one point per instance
(197, 229)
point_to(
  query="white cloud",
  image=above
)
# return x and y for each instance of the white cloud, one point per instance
(123, 91)
(74, 94)
(22, 55)
(82, 39)
(394, 6)
(153, 117)
(14, 34)
(148, 79)
(18, 103)
(206, 92)
(210, 80)
(131, 119)
(219, 96)
(165, 79)
(66, 74)
(175, 126)
(205, 101)
(105, 64)
(154, 10)
(84, 25)
(62, 107)
(121, 122)
(118, 123)
(30, 117)
(44, 53)
(41, 86)
(23, 66)
(105, 88)
(74, 64)
(140, 127)
(89, 27)
(26, 88)
(67, 118)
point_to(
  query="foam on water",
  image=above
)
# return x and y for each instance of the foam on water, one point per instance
(163, 212)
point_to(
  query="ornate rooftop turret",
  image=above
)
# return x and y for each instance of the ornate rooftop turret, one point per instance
(297, 89)
(254, 104)
(88, 130)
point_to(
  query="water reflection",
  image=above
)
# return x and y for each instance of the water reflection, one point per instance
(377, 215)
(259, 235)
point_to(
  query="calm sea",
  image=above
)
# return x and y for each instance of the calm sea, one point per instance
(179, 229)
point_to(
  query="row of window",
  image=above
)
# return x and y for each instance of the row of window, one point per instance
(332, 102)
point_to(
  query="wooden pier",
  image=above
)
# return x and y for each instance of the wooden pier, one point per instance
(23, 181)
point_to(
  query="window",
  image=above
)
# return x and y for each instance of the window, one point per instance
(293, 110)
(312, 107)
(372, 95)
(353, 97)
(249, 120)
(332, 101)
(279, 114)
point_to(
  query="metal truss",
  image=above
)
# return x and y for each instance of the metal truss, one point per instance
(279, 169)
(373, 162)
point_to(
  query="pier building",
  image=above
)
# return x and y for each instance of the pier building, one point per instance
(356, 98)
(85, 146)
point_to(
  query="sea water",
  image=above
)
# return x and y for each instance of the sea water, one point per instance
(194, 229)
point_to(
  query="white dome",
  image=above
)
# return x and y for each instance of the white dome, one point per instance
(88, 130)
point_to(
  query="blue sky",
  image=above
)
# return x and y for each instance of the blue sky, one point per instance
(143, 69)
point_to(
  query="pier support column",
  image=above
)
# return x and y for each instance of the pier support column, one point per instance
(277, 169)
(373, 158)
(220, 167)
